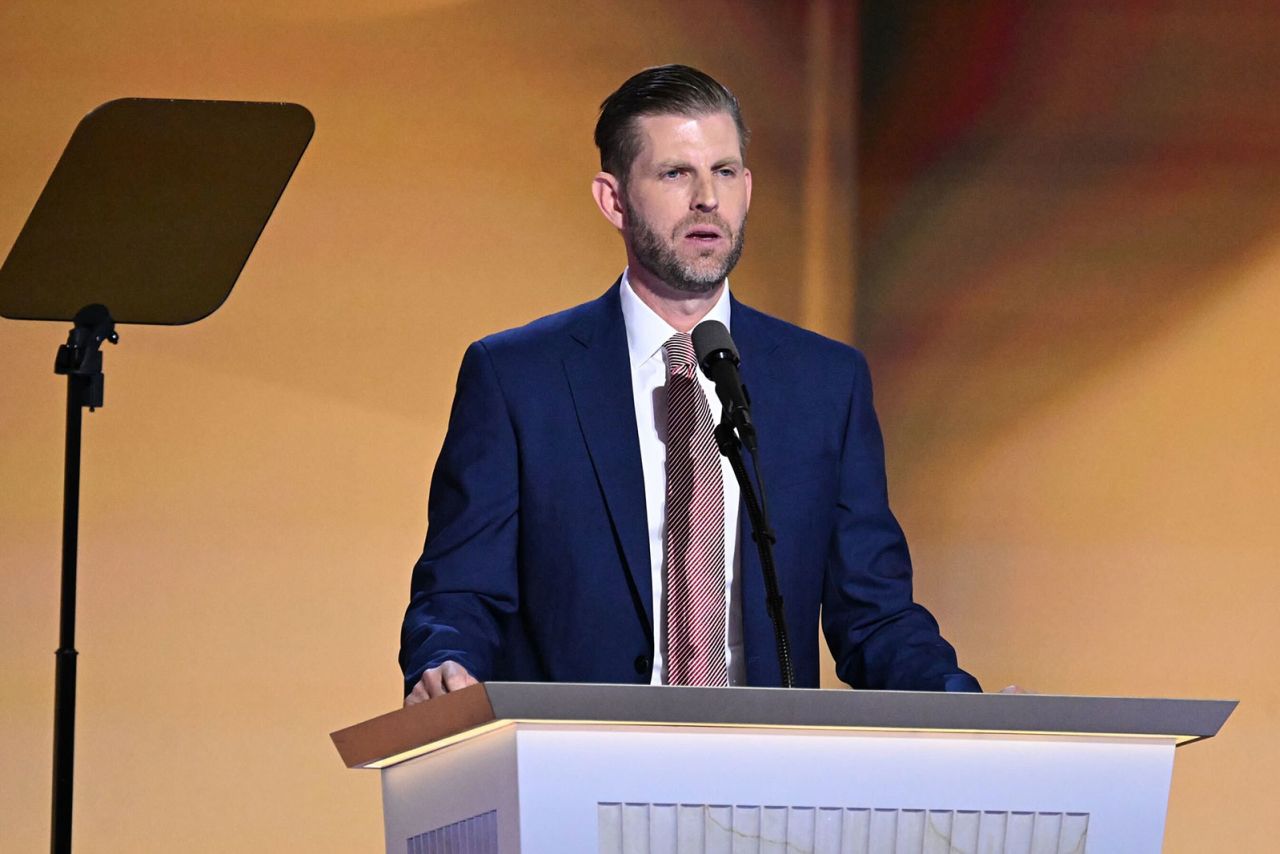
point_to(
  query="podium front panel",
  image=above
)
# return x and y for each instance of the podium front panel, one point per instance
(618, 789)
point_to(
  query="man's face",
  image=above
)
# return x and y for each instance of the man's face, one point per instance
(685, 201)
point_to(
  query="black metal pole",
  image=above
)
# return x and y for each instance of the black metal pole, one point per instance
(80, 359)
(64, 696)
(757, 513)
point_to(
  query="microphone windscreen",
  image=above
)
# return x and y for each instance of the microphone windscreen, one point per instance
(710, 336)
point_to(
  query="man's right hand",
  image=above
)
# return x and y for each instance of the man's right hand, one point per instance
(449, 676)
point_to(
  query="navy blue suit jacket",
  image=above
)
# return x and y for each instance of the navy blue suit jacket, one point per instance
(536, 564)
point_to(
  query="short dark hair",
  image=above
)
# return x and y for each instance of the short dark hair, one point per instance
(664, 90)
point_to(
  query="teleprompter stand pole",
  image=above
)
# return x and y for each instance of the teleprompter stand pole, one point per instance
(757, 512)
(80, 359)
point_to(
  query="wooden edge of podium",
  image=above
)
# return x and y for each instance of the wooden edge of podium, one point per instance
(419, 724)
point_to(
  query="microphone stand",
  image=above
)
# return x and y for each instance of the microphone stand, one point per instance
(757, 512)
(80, 360)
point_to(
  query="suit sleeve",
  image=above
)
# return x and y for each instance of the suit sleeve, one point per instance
(879, 636)
(466, 580)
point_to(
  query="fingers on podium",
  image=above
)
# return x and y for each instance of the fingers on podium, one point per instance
(436, 681)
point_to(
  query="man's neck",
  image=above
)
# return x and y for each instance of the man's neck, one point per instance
(679, 308)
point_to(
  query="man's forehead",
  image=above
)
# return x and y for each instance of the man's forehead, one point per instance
(665, 131)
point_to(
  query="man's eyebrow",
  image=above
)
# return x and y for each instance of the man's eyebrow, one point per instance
(684, 164)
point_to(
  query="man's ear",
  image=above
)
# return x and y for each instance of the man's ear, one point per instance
(607, 191)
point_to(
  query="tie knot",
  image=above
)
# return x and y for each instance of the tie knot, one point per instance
(680, 355)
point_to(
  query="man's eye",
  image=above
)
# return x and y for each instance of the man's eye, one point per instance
(671, 174)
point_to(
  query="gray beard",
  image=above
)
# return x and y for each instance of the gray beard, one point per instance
(659, 257)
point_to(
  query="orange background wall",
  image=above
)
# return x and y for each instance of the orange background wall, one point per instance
(1091, 504)
(254, 489)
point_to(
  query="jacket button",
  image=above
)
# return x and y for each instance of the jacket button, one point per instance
(643, 664)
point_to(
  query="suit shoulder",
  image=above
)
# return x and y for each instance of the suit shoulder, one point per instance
(801, 343)
(546, 335)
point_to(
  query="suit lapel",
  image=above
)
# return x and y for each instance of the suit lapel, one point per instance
(755, 348)
(599, 377)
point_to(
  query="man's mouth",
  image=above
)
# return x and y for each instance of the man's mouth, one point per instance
(704, 234)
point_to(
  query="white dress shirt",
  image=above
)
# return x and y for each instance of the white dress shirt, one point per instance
(646, 333)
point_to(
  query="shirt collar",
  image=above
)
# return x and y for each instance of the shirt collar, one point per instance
(647, 332)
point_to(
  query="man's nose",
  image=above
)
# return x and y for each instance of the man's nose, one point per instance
(704, 195)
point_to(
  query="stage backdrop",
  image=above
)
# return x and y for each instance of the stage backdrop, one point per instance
(1069, 290)
(254, 490)
(1068, 282)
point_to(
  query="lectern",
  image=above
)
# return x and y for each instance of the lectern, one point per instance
(517, 768)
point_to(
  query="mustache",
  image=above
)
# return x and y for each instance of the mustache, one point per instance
(693, 219)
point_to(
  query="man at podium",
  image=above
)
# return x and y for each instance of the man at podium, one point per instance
(583, 526)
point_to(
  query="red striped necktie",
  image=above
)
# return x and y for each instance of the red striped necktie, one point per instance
(694, 535)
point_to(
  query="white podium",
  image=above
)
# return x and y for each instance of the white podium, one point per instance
(517, 768)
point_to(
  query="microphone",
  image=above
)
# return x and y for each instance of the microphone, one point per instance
(718, 358)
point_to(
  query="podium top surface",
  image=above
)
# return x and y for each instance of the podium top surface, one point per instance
(414, 730)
